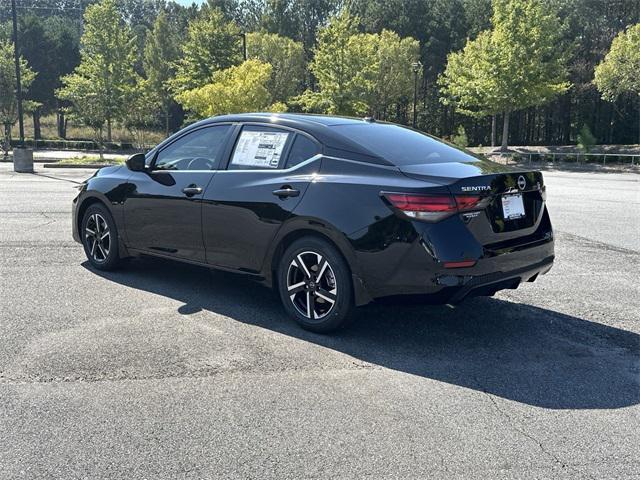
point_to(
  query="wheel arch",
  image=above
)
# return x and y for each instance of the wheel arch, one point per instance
(299, 229)
(93, 198)
(86, 202)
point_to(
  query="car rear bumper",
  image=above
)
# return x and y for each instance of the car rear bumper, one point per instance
(464, 286)
(417, 272)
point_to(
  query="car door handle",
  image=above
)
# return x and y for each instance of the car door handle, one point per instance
(192, 190)
(286, 191)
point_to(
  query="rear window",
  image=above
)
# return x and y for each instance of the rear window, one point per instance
(402, 146)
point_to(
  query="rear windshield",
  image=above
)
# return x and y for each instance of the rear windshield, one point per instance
(402, 146)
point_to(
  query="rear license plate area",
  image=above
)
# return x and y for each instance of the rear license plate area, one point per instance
(512, 206)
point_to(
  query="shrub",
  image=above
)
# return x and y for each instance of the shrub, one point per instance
(586, 140)
(460, 137)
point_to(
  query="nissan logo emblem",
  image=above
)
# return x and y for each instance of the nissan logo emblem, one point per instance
(522, 182)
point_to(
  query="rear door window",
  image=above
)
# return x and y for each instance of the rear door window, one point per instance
(303, 149)
(259, 147)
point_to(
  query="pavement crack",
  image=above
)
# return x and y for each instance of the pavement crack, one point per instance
(518, 428)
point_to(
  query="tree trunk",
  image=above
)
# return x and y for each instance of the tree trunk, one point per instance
(100, 144)
(108, 130)
(36, 124)
(6, 144)
(62, 125)
(166, 122)
(638, 119)
(505, 132)
(494, 121)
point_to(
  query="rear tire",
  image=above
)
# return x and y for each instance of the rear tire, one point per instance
(99, 236)
(314, 283)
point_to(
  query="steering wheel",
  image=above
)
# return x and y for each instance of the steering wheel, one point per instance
(200, 163)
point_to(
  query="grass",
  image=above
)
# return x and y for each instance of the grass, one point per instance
(91, 160)
(48, 129)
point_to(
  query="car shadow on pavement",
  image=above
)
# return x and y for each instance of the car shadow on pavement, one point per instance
(519, 352)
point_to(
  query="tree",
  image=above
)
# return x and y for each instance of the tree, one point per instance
(467, 81)
(516, 65)
(393, 75)
(298, 19)
(234, 90)
(287, 61)
(212, 44)
(618, 74)
(142, 111)
(160, 53)
(101, 87)
(357, 73)
(50, 46)
(8, 86)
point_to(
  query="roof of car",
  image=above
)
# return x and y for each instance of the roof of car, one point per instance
(318, 126)
(306, 118)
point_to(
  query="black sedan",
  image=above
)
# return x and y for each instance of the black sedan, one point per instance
(332, 212)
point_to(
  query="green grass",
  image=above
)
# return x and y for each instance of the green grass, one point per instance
(91, 160)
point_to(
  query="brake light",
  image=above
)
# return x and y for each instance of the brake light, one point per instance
(431, 208)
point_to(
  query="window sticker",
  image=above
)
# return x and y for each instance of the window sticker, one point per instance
(259, 149)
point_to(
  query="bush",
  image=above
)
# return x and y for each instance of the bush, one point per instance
(460, 137)
(586, 140)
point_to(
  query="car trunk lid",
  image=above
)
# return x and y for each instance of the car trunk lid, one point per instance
(512, 199)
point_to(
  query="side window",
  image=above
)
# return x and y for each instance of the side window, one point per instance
(303, 148)
(259, 148)
(198, 150)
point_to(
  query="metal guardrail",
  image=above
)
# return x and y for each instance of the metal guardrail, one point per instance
(577, 156)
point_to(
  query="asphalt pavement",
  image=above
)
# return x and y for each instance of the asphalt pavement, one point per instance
(162, 370)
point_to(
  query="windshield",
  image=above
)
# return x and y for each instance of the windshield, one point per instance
(403, 146)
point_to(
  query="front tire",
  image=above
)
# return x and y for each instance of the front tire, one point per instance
(314, 282)
(100, 238)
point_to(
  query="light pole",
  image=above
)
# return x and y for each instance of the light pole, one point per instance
(17, 60)
(416, 66)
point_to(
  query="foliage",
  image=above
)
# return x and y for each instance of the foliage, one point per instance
(358, 73)
(619, 73)
(234, 90)
(101, 87)
(8, 97)
(514, 66)
(287, 61)
(212, 44)
(468, 81)
(297, 19)
(460, 137)
(584, 36)
(160, 54)
(586, 140)
(141, 111)
(51, 47)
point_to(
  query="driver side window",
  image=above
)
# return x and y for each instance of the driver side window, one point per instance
(197, 150)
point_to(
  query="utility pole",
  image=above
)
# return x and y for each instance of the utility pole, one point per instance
(17, 60)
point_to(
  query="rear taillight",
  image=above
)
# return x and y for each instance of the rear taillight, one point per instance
(431, 208)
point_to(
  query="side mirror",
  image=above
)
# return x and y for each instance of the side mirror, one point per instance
(136, 163)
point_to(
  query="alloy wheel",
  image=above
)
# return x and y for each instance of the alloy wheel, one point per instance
(98, 237)
(311, 285)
